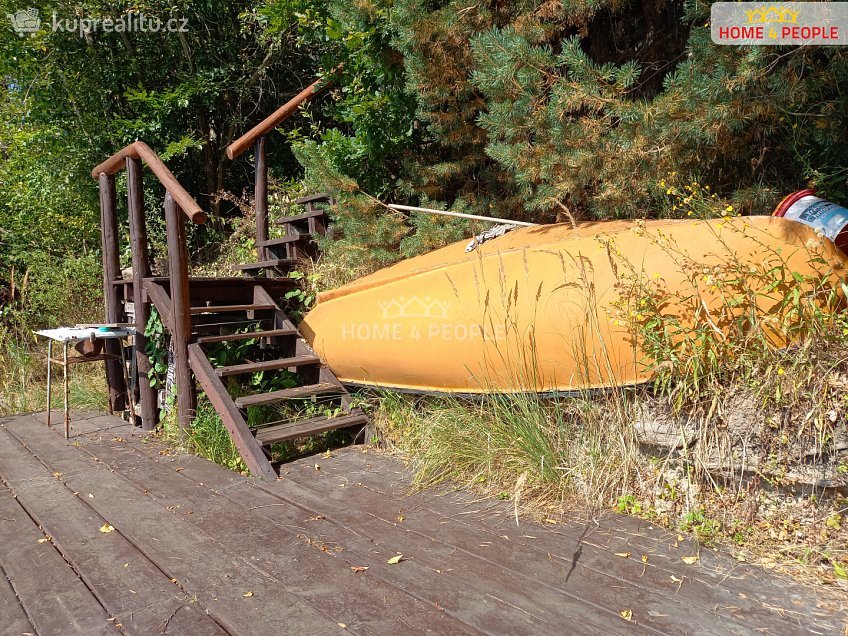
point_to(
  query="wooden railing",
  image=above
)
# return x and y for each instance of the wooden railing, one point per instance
(256, 137)
(178, 205)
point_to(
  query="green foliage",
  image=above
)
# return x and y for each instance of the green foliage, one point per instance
(156, 349)
(207, 437)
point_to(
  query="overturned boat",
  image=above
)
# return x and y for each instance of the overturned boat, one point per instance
(557, 308)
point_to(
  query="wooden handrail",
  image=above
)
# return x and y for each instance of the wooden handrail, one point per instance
(240, 145)
(140, 150)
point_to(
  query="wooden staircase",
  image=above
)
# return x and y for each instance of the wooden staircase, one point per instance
(279, 256)
(246, 318)
(231, 336)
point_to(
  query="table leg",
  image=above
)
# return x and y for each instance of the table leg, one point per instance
(67, 392)
(130, 387)
(49, 377)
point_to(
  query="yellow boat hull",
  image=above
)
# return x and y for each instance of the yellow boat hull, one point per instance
(552, 308)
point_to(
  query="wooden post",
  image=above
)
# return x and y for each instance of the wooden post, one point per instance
(261, 198)
(111, 273)
(178, 268)
(141, 270)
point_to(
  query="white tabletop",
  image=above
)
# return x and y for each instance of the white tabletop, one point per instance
(75, 334)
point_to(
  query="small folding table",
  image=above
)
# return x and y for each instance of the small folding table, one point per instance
(72, 335)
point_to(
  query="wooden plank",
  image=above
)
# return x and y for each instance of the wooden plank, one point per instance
(296, 392)
(303, 216)
(312, 198)
(267, 264)
(260, 197)
(267, 365)
(140, 271)
(181, 321)
(442, 580)
(572, 564)
(141, 150)
(248, 335)
(470, 591)
(518, 579)
(249, 449)
(273, 120)
(160, 299)
(123, 580)
(283, 240)
(764, 600)
(200, 564)
(14, 618)
(221, 309)
(303, 428)
(292, 555)
(447, 588)
(111, 272)
(53, 597)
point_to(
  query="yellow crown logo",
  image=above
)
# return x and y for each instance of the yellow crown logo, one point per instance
(414, 307)
(772, 15)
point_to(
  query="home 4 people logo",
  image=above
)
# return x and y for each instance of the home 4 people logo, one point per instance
(788, 23)
(25, 21)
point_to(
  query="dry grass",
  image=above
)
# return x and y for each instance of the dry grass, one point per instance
(758, 420)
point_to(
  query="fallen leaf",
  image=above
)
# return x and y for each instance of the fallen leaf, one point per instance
(317, 467)
(623, 555)
(395, 559)
(400, 518)
(626, 614)
(680, 537)
(90, 496)
(44, 540)
(359, 568)
(550, 520)
(179, 469)
(342, 625)
(675, 579)
(57, 475)
(690, 559)
(106, 528)
(247, 594)
(644, 558)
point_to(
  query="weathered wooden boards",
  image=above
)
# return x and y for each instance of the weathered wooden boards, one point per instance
(310, 552)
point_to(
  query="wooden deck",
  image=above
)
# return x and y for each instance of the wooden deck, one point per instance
(196, 549)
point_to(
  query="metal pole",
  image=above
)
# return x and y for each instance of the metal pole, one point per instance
(460, 215)
(49, 376)
(67, 393)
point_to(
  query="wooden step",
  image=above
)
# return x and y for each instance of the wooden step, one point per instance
(221, 309)
(300, 217)
(247, 335)
(311, 198)
(214, 328)
(305, 391)
(267, 365)
(289, 238)
(269, 264)
(303, 428)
